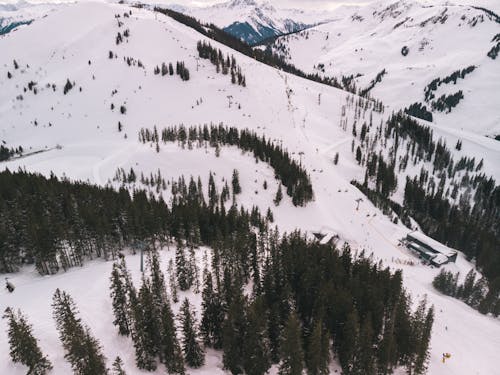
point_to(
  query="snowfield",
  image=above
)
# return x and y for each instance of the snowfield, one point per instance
(77, 134)
(363, 41)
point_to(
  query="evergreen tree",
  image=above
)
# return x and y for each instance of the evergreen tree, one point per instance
(422, 327)
(348, 348)
(279, 196)
(236, 182)
(387, 351)
(212, 316)
(365, 358)
(292, 356)
(23, 345)
(172, 281)
(119, 301)
(145, 329)
(468, 286)
(171, 352)
(318, 351)
(158, 286)
(118, 367)
(83, 351)
(193, 353)
(233, 335)
(182, 266)
(256, 359)
(336, 158)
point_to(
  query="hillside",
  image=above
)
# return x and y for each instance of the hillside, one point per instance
(395, 50)
(76, 102)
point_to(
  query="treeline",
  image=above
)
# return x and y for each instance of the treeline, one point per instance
(419, 110)
(372, 84)
(453, 77)
(133, 62)
(58, 224)
(180, 70)
(474, 293)
(291, 174)
(447, 102)
(493, 52)
(223, 64)
(6, 153)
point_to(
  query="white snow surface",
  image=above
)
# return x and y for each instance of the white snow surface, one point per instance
(78, 134)
(442, 37)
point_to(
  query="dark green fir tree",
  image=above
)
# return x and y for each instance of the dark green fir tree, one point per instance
(193, 353)
(23, 345)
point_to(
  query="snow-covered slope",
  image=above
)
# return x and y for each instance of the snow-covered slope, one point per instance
(253, 21)
(78, 135)
(438, 40)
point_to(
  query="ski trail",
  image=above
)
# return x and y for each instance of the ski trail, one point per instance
(118, 155)
(335, 145)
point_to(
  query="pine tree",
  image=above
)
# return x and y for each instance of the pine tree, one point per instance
(144, 343)
(236, 182)
(256, 359)
(67, 87)
(292, 356)
(118, 367)
(387, 351)
(468, 286)
(193, 353)
(365, 358)
(119, 301)
(158, 286)
(350, 339)
(83, 351)
(233, 334)
(212, 316)
(172, 281)
(23, 345)
(182, 266)
(171, 352)
(422, 343)
(318, 351)
(279, 196)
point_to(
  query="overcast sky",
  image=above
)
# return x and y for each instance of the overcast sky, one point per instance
(332, 4)
(300, 4)
(310, 4)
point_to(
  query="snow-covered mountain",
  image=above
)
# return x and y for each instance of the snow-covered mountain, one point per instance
(395, 50)
(16, 14)
(77, 100)
(253, 21)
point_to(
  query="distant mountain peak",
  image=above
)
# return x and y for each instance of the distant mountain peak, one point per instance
(254, 20)
(242, 3)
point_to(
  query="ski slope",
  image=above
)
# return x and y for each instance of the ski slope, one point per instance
(78, 137)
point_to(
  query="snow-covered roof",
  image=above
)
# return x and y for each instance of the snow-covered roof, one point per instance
(440, 259)
(437, 246)
(326, 239)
